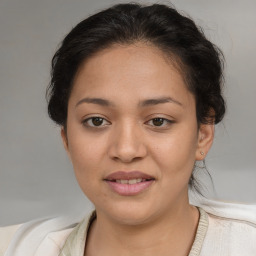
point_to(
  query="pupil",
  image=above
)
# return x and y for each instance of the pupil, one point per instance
(97, 121)
(159, 121)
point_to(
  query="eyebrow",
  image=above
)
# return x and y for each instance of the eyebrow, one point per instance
(144, 103)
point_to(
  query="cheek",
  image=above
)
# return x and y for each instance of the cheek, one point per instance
(86, 154)
(176, 153)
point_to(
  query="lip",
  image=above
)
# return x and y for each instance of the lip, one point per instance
(123, 175)
(129, 189)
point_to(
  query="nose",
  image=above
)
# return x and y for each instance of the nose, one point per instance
(127, 143)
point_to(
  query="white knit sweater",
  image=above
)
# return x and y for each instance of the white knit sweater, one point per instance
(224, 229)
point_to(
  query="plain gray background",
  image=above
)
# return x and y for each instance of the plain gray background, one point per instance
(36, 178)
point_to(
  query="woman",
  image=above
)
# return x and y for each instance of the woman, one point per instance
(137, 91)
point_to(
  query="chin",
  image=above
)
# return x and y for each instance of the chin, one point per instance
(132, 219)
(130, 213)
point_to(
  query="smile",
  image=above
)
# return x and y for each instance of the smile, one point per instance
(133, 181)
(129, 183)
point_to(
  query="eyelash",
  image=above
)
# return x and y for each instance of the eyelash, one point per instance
(85, 122)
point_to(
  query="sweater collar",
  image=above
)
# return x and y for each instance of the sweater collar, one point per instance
(75, 243)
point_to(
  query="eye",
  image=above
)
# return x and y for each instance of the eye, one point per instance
(159, 121)
(94, 121)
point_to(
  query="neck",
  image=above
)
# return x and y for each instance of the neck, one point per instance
(171, 233)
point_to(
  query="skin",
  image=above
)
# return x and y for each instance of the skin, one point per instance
(128, 139)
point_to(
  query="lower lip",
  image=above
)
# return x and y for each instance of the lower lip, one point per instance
(129, 189)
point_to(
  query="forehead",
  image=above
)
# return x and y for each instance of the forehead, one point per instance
(124, 71)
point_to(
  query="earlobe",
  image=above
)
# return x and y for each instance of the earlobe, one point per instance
(64, 139)
(205, 140)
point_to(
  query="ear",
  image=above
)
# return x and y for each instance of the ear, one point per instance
(64, 139)
(205, 140)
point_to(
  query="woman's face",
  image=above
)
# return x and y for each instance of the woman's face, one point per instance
(132, 133)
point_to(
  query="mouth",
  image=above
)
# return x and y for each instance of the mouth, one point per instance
(129, 183)
(132, 181)
(129, 176)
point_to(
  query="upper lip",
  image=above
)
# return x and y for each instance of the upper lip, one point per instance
(128, 175)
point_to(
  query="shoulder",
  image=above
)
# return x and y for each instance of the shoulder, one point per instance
(231, 229)
(38, 237)
(6, 234)
(232, 211)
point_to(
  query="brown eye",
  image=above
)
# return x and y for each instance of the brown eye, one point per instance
(94, 121)
(97, 121)
(160, 122)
